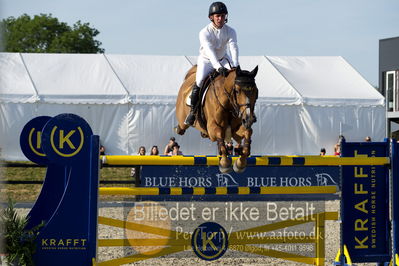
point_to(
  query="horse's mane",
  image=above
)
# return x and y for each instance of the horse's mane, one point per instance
(191, 71)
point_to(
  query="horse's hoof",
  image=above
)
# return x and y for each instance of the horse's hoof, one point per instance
(225, 170)
(205, 136)
(237, 169)
(179, 131)
(225, 165)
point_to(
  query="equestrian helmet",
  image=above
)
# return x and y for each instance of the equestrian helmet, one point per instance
(217, 8)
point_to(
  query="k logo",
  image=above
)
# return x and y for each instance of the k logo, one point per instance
(68, 143)
(66, 137)
(209, 241)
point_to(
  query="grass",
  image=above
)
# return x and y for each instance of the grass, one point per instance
(29, 192)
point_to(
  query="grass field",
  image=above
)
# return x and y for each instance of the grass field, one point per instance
(29, 192)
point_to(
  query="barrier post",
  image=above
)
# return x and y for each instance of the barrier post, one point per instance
(365, 204)
(56, 175)
(320, 238)
(69, 234)
(395, 200)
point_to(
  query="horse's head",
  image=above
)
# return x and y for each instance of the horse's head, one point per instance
(246, 93)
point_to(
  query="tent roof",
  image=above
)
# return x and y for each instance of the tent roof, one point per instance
(325, 80)
(116, 79)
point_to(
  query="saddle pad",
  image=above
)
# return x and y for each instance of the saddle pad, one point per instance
(188, 98)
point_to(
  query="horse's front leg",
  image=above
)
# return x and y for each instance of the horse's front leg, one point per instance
(224, 162)
(241, 163)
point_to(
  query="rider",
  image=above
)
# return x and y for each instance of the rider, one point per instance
(215, 38)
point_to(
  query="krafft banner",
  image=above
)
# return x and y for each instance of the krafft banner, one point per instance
(254, 176)
(365, 208)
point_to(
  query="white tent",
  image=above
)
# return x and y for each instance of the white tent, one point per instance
(129, 100)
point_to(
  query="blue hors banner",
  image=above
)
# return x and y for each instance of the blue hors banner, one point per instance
(254, 176)
(365, 208)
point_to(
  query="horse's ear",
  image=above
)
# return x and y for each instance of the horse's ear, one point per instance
(238, 70)
(254, 71)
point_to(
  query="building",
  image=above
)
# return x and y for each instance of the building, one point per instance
(388, 82)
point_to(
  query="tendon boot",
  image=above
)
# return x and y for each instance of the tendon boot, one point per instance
(190, 119)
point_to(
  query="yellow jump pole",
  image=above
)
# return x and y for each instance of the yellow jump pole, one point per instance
(151, 191)
(129, 160)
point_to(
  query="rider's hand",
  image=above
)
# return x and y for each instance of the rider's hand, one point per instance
(223, 71)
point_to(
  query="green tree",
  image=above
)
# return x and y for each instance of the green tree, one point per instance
(45, 34)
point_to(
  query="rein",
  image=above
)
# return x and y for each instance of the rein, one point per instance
(232, 97)
(232, 100)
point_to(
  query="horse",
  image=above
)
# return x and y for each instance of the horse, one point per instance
(227, 112)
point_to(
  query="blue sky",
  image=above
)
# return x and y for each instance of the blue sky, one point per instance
(348, 28)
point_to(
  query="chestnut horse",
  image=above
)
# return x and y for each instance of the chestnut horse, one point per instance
(227, 112)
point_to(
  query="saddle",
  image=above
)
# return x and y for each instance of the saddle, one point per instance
(199, 111)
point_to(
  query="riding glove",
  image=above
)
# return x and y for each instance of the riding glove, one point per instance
(223, 71)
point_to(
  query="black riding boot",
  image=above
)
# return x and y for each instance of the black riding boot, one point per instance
(190, 119)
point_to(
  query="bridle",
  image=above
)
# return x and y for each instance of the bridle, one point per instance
(248, 87)
(237, 111)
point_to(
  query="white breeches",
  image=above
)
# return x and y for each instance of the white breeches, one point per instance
(204, 68)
